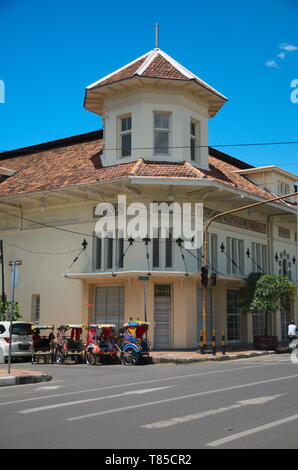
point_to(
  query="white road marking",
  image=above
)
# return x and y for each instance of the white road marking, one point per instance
(203, 414)
(49, 387)
(130, 384)
(88, 400)
(183, 397)
(257, 429)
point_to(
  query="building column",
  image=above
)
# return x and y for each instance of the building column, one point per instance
(250, 336)
(278, 324)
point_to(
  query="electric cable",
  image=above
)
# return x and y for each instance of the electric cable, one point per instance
(84, 245)
(179, 242)
(147, 240)
(131, 242)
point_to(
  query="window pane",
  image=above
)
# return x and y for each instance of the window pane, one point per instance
(156, 252)
(169, 250)
(109, 245)
(126, 124)
(161, 143)
(162, 121)
(193, 129)
(192, 149)
(233, 316)
(234, 256)
(126, 145)
(22, 329)
(120, 252)
(98, 254)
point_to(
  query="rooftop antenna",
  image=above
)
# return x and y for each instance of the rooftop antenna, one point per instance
(156, 35)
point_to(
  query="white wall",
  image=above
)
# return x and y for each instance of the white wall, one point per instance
(142, 105)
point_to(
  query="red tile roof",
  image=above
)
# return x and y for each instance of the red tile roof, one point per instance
(161, 68)
(76, 160)
(127, 72)
(155, 64)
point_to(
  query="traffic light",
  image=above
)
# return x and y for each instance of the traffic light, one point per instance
(213, 278)
(204, 276)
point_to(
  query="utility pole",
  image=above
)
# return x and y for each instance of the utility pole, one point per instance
(2, 275)
(215, 217)
(13, 284)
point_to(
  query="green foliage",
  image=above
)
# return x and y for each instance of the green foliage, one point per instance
(247, 292)
(273, 292)
(5, 308)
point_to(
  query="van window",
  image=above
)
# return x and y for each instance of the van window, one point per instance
(21, 329)
(2, 329)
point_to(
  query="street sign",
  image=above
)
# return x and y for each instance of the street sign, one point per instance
(14, 277)
(18, 262)
(143, 278)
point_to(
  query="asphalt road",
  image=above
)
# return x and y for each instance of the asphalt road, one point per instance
(243, 404)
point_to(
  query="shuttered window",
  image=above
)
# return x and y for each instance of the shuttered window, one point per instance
(162, 315)
(109, 305)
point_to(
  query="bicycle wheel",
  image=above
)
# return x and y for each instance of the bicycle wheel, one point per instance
(90, 358)
(59, 358)
(129, 357)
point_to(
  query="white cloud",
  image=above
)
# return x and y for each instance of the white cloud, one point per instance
(281, 55)
(288, 47)
(272, 64)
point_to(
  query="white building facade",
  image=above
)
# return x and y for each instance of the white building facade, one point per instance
(153, 148)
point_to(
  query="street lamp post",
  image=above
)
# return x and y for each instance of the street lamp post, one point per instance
(215, 217)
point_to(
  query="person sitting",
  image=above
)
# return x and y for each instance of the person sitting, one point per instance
(130, 335)
(40, 342)
(51, 337)
(106, 340)
(36, 338)
(292, 331)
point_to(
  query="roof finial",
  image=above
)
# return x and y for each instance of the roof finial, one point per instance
(156, 35)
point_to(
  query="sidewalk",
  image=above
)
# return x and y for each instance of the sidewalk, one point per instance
(21, 376)
(187, 357)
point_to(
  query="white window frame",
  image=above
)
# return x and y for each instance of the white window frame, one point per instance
(122, 133)
(235, 252)
(194, 138)
(166, 130)
(234, 317)
(283, 188)
(259, 256)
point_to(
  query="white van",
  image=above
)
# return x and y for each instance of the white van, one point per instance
(21, 343)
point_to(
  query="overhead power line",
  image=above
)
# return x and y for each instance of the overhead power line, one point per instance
(240, 144)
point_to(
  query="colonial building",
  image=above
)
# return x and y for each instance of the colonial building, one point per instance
(153, 148)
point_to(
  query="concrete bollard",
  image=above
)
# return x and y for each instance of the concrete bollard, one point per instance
(213, 342)
(201, 342)
(223, 343)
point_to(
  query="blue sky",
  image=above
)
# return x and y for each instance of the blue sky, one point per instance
(248, 50)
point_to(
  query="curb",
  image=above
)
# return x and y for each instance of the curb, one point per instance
(24, 379)
(226, 357)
